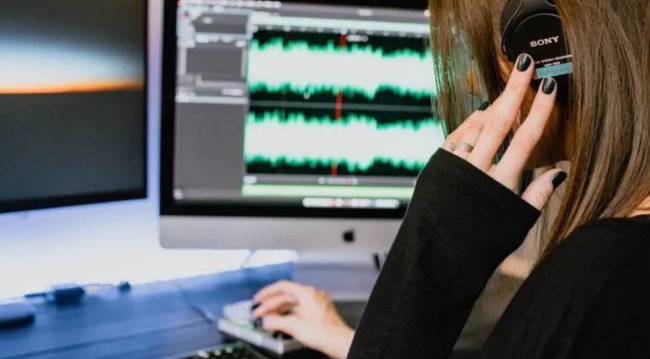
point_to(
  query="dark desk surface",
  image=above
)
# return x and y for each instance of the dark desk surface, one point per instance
(155, 321)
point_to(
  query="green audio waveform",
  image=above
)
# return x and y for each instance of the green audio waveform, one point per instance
(302, 68)
(356, 141)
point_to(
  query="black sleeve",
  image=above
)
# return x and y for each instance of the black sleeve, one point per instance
(460, 225)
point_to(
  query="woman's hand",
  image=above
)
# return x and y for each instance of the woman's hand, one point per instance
(485, 131)
(307, 314)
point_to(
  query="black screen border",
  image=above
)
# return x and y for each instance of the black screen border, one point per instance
(33, 204)
(170, 207)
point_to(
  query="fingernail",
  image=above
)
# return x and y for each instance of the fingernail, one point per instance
(283, 336)
(548, 85)
(258, 323)
(255, 306)
(523, 62)
(484, 106)
(558, 179)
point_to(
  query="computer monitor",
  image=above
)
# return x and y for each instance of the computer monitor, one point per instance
(72, 102)
(292, 125)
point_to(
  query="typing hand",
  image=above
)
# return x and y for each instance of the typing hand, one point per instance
(305, 313)
(485, 131)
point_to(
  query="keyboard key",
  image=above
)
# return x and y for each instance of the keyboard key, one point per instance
(228, 351)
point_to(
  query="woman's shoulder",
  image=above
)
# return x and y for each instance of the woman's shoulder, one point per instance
(612, 303)
(594, 245)
(593, 253)
(590, 279)
(605, 238)
(581, 275)
(617, 226)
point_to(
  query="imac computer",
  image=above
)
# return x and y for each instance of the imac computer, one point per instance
(72, 102)
(73, 108)
(292, 125)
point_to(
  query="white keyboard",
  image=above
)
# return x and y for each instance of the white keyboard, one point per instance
(238, 323)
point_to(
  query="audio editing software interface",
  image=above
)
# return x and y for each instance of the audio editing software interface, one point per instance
(296, 104)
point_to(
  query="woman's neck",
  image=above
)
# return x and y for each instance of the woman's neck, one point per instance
(643, 210)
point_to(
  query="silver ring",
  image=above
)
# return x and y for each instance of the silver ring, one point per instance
(462, 146)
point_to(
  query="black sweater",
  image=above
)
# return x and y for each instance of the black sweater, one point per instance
(586, 300)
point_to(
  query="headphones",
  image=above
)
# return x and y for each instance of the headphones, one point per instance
(535, 27)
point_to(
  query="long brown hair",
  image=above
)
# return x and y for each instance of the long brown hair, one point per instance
(609, 110)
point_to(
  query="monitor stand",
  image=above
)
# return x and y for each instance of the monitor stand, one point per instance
(346, 277)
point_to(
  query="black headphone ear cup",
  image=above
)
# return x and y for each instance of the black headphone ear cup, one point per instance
(535, 27)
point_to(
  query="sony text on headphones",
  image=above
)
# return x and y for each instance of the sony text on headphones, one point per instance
(535, 27)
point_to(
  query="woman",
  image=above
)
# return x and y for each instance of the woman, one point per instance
(586, 297)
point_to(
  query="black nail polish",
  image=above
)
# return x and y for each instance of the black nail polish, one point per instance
(484, 106)
(282, 336)
(255, 306)
(523, 62)
(558, 179)
(548, 85)
(258, 323)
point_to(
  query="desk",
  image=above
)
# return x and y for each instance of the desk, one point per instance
(154, 321)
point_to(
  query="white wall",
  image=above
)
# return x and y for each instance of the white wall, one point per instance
(103, 243)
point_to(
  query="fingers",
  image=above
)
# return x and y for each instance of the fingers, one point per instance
(468, 132)
(282, 287)
(528, 135)
(540, 191)
(464, 147)
(502, 114)
(287, 324)
(472, 125)
(509, 102)
(277, 304)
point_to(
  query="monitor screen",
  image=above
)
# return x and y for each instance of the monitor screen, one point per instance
(277, 108)
(72, 102)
